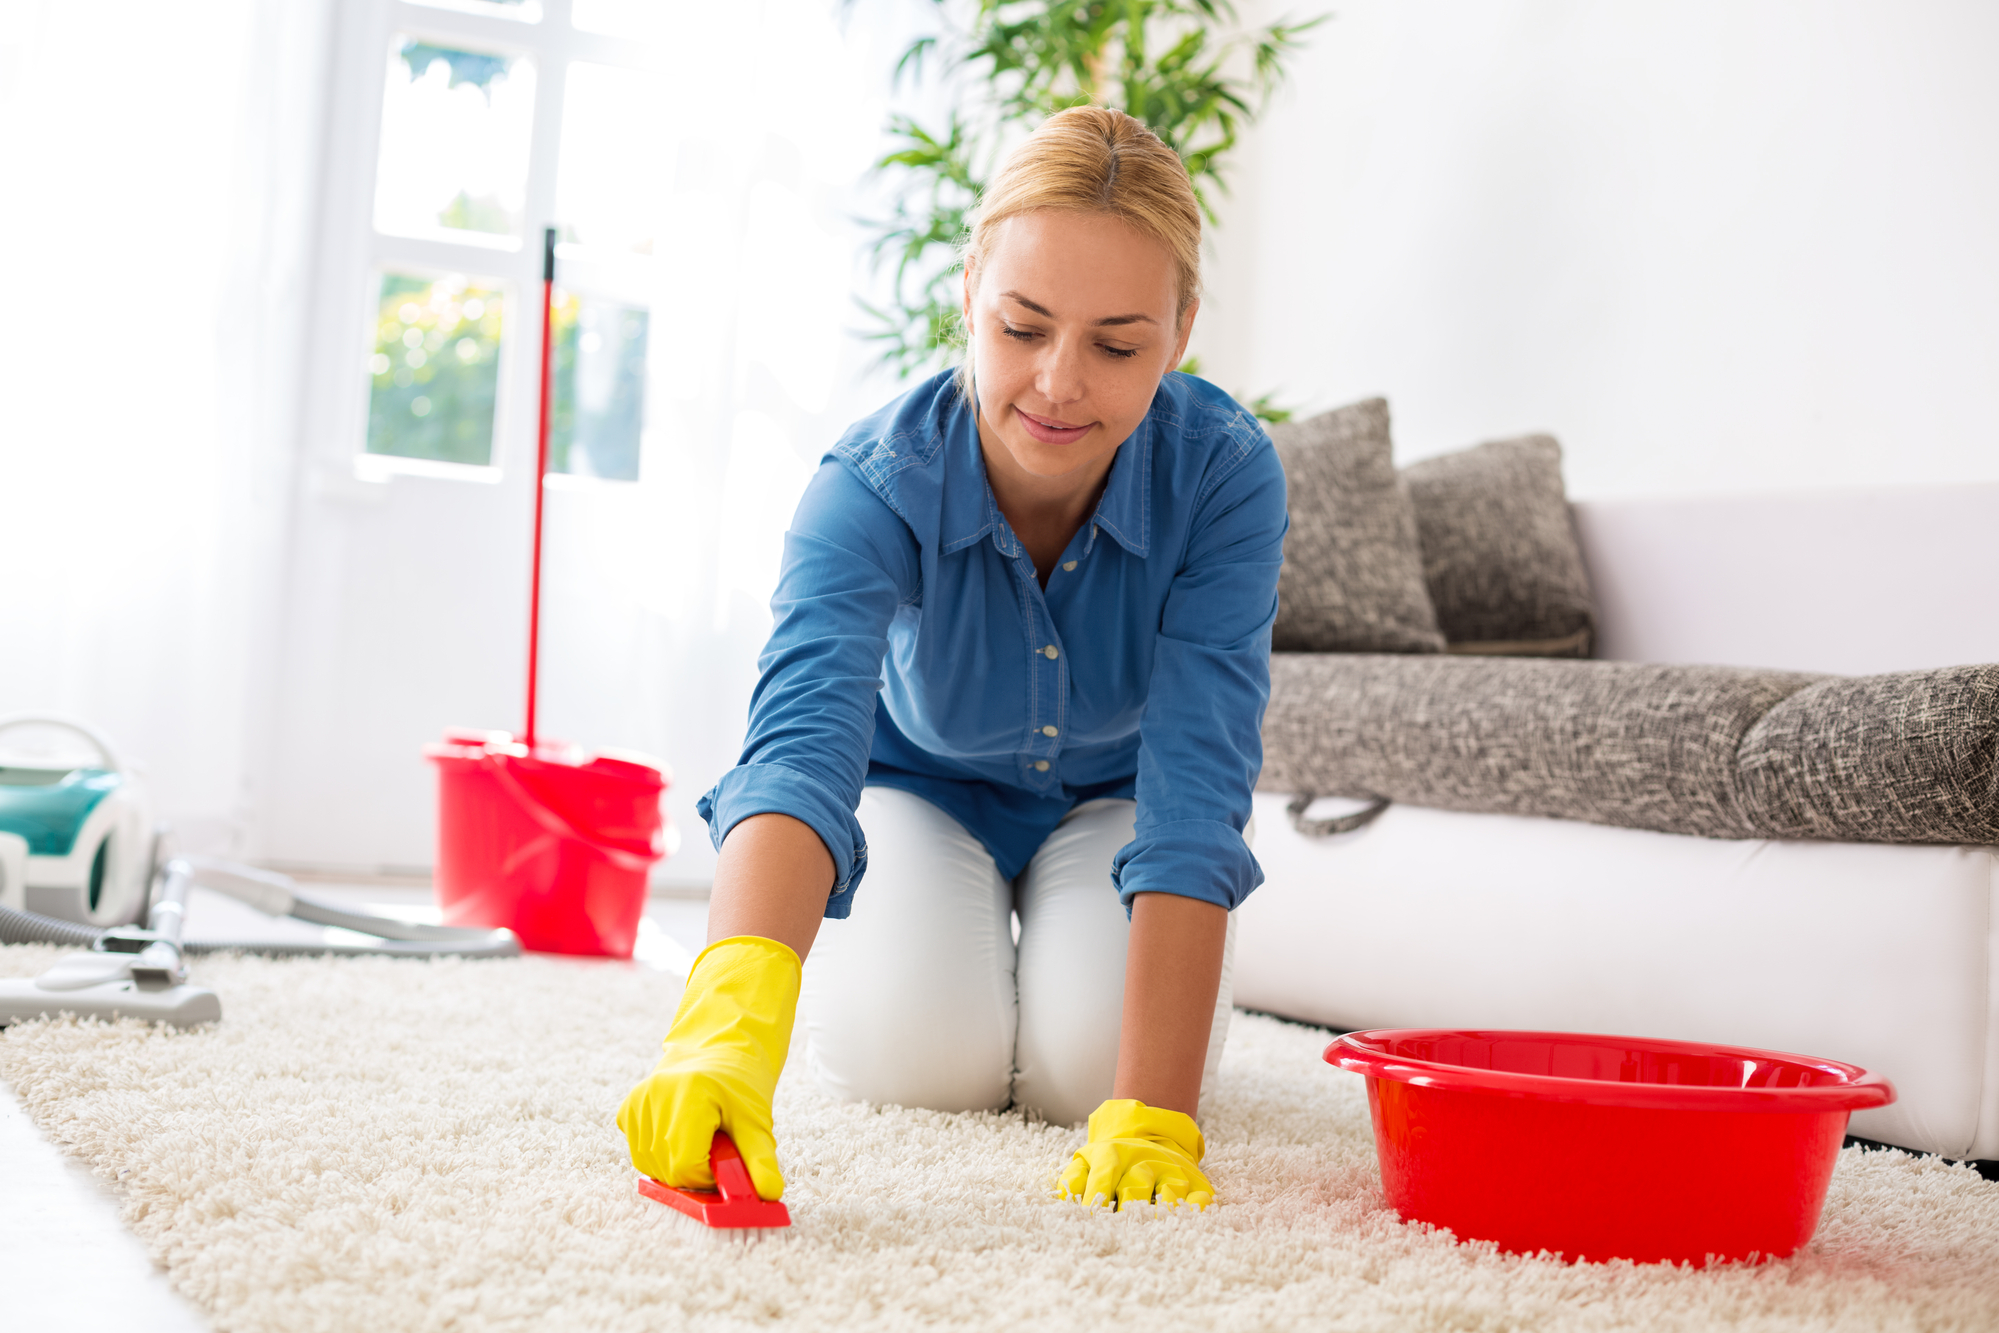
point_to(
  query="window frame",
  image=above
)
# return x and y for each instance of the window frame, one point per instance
(352, 251)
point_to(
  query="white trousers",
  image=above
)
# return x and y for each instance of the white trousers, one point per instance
(922, 997)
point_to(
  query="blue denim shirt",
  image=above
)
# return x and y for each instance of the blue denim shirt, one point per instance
(913, 646)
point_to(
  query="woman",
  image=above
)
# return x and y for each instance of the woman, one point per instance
(1020, 658)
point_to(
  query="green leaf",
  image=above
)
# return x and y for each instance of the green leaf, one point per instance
(1266, 409)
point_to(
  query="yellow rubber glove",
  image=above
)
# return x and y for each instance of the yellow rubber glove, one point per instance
(1139, 1154)
(723, 1055)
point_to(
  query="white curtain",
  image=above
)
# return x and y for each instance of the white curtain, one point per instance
(158, 163)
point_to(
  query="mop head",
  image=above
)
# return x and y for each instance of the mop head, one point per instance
(733, 1205)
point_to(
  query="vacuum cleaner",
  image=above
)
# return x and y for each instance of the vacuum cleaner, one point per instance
(134, 972)
(80, 864)
(77, 839)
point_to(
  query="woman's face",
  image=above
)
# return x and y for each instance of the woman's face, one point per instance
(1071, 319)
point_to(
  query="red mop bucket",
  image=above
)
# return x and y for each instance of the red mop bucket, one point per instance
(553, 845)
(547, 840)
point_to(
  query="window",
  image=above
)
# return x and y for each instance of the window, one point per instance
(493, 121)
(435, 371)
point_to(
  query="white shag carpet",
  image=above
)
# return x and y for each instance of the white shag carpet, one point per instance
(389, 1145)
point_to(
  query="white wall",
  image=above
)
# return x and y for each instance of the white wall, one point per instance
(1719, 246)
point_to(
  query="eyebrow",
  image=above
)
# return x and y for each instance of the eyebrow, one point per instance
(1046, 313)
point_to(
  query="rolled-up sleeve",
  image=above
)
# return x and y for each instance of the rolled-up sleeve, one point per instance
(1200, 743)
(849, 562)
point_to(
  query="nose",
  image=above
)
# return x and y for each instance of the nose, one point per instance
(1058, 376)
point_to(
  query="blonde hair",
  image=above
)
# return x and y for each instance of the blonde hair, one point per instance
(1092, 159)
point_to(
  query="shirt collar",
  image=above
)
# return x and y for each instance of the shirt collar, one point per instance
(1124, 511)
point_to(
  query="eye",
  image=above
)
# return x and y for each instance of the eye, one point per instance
(1020, 335)
(1121, 353)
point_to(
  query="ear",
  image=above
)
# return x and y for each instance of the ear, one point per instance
(1186, 332)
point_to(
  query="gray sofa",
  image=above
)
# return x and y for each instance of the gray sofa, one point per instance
(1764, 854)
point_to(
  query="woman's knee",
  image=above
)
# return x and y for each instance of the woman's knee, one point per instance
(884, 1026)
(1067, 1069)
(1073, 936)
(910, 1000)
(1071, 970)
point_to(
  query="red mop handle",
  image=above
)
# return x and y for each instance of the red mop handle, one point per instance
(541, 470)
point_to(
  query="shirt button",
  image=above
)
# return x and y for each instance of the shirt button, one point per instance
(1068, 564)
(1049, 731)
(1050, 653)
(1041, 765)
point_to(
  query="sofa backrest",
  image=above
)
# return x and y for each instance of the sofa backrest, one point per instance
(1858, 582)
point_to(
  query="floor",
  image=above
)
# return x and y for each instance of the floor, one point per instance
(67, 1262)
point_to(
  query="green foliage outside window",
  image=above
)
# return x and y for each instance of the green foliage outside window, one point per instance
(435, 372)
(600, 372)
(486, 213)
(474, 67)
(435, 376)
(1186, 68)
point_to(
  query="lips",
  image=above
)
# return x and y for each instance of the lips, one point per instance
(1050, 431)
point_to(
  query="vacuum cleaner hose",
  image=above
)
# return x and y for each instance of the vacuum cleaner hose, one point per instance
(17, 927)
(34, 928)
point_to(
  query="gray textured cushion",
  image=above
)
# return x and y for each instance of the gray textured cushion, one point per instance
(1353, 572)
(1500, 556)
(1907, 757)
(1724, 752)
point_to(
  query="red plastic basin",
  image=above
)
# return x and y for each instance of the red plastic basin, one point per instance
(1598, 1147)
(553, 845)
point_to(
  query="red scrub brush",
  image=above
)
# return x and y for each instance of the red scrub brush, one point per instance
(732, 1205)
